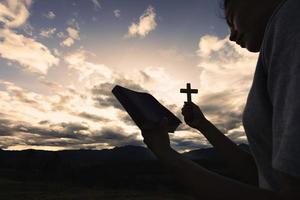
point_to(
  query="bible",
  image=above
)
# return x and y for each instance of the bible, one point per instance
(144, 109)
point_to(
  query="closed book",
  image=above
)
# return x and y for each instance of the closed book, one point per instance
(144, 109)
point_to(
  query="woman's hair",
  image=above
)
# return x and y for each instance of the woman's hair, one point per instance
(225, 3)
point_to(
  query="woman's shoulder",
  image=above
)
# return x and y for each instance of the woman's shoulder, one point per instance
(283, 31)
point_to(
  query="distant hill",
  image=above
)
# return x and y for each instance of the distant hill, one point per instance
(91, 157)
(117, 154)
(127, 166)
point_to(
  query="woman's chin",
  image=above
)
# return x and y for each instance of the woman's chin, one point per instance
(252, 47)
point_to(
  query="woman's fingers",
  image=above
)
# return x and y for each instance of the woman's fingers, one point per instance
(162, 126)
(186, 109)
(188, 118)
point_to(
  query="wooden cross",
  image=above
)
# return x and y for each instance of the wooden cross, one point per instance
(189, 91)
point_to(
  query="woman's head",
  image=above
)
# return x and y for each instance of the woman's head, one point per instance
(247, 20)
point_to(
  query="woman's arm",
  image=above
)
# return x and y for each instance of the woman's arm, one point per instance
(205, 184)
(201, 182)
(241, 163)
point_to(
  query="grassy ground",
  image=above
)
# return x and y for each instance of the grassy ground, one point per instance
(14, 190)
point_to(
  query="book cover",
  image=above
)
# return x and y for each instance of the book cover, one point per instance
(144, 109)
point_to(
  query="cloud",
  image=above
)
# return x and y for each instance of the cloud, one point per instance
(72, 119)
(14, 13)
(224, 108)
(124, 117)
(32, 55)
(89, 73)
(237, 135)
(26, 97)
(73, 23)
(160, 84)
(227, 73)
(86, 116)
(115, 137)
(5, 127)
(34, 134)
(63, 104)
(186, 140)
(73, 34)
(61, 35)
(117, 13)
(28, 29)
(50, 15)
(96, 4)
(47, 32)
(67, 42)
(103, 96)
(62, 130)
(145, 25)
(93, 117)
(66, 117)
(62, 135)
(31, 118)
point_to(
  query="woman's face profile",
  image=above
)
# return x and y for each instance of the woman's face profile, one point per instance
(247, 23)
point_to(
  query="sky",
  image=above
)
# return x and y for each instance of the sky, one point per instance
(60, 59)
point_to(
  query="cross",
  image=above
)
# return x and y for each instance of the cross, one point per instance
(189, 91)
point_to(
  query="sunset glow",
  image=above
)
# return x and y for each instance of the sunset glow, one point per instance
(60, 59)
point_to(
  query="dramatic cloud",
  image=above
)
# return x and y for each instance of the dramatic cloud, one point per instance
(69, 105)
(32, 55)
(103, 96)
(185, 140)
(14, 13)
(5, 126)
(145, 25)
(161, 85)
(116, 137)
(92, 117)
(62, 135)
(227, 72)
(66, 117)
(89, 73)
(71, 119)
(86, 119)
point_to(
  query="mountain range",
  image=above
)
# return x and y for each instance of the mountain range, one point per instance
(127, 166)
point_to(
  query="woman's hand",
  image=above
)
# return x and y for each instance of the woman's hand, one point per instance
(193, 116)
(157, 139)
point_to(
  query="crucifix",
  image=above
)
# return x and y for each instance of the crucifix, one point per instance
(189, 92)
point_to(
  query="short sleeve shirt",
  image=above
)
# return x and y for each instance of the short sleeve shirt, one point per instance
(271, 117)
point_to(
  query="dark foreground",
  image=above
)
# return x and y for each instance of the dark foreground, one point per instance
(122, 173)
(18, 190)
